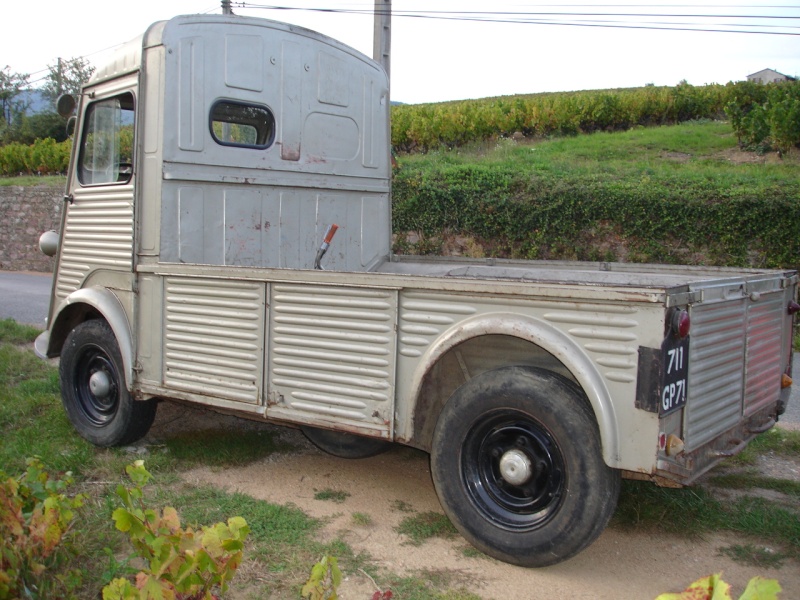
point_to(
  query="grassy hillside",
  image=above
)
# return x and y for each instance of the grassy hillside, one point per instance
(674, 194)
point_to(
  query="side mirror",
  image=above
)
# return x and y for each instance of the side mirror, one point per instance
(65, 105)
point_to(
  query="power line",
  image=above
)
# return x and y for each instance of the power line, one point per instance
(528, 18)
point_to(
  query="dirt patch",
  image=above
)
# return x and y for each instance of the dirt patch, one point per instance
(680, 157)
(741, 157)
(620, 565)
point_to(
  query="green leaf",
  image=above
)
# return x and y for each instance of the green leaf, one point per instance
(761, 589)
(123, 520)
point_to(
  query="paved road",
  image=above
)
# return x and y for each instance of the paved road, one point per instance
(25, 297)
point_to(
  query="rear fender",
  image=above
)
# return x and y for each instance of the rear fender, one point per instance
(544, 335)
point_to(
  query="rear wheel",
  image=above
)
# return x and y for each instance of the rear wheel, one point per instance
(345, 445)
(93, 388)
(518, 467)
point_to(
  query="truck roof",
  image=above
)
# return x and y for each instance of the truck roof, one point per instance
(127, 58)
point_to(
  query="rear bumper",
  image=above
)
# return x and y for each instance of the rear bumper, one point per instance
(687, 467)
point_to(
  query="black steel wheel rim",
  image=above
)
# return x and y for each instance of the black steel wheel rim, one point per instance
(97, 409)
(514, 506)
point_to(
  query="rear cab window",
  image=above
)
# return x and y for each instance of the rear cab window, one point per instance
(241, 124)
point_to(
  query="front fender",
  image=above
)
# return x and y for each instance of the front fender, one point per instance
(547, 337)
(80, 306)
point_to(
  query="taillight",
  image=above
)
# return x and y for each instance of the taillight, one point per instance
(793, 307)
(680, 323)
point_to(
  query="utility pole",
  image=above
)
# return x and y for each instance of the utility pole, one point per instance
(59, 78)
(382, 37)
(226, 7)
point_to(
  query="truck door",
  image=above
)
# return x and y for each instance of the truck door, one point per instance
(98, 224)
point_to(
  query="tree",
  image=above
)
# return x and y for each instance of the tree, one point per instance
(11, 85)
(66, 77)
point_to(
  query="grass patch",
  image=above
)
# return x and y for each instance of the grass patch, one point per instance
(34, 180)
(328, 494)
(223, 448)
(755, 556)
(692, 512)
(473, 552)
(423, 526)
(780, 441)
(430, 585)
(31, 418)
(12, 332)
(749, 481)
(361, 519)
(403, 507)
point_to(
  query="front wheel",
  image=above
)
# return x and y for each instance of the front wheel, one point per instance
(93, 389)
(518, 467)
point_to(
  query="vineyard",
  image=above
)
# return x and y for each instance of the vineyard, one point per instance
(420, 128)
(763, 116)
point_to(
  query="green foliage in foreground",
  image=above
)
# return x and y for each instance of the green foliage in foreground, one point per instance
(36, 515)
(179, 562)
(663, 195)
(714, 588)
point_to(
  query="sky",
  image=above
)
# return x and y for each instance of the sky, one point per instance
(461, 53)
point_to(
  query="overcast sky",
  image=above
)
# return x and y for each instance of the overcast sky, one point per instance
(435, 59)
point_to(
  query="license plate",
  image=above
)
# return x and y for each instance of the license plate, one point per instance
(675, 357)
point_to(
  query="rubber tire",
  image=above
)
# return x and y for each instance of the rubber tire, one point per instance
(115, 419)
(585, 494)
(345, 445)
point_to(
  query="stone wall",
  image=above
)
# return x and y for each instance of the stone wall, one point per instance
(25, 213)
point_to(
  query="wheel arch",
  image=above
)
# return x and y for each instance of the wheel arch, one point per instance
(83, 305)
(567, 358)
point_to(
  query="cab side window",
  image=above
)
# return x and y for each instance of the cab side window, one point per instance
(106, 153)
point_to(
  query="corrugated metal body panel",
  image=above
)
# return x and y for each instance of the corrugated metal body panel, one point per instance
(610, 338)
(98, 234)
(764, 337)
(214, 337)
(425, 316)
(607, 332)
(331, 356)
(716, 377)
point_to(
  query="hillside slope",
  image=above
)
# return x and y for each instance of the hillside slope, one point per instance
(671, 194)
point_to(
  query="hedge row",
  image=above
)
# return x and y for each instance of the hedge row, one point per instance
(43, 157)
(511, 214)
(425, 126)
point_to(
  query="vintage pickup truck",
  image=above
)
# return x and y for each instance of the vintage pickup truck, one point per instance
(215, 157)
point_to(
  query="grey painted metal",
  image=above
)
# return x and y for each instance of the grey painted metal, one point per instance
(329, 162)
(736, 361)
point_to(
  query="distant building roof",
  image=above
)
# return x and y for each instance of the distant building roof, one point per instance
(769, 75)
